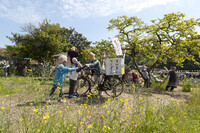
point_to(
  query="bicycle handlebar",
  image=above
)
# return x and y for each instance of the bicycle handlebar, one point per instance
(81, 68)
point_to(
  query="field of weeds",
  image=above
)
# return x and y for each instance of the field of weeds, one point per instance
(23, 109)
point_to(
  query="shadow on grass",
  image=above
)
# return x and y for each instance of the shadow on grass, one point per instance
(91, 100)
(150, 92)
(174, 94)
(41, 103)
(44, 78)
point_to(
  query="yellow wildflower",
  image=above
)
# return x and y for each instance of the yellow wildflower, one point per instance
(105, 106)
(35, 110)
(81, 123)
(90, 126)
(140, 98)
(127, 108)
(46, 106)
(121, 100)
(21, 120)
(126, 116)
(3, 108)
(46, 116)
(88, 95)
(85, 106)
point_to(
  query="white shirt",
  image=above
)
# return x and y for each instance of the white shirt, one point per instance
(74, 74)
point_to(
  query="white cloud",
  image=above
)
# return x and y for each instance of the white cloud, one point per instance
(86, 8)
(20, 11)
(25, 11)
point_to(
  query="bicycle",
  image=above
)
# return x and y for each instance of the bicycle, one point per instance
(112, 85)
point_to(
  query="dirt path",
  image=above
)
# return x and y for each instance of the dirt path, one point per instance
(164, 97)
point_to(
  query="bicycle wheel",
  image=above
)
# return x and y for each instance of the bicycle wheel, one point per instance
(82, 86)
(114, 86)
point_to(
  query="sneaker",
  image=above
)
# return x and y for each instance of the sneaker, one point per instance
(72, 96)
(75, 94)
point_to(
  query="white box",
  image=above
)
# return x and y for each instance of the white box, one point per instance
(114, 66)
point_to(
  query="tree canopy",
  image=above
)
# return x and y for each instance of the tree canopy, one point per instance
(169, 38)
(102, 49)
(40, 43)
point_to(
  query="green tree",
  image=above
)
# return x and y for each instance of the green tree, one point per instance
(40, 43)
(171, 37)
(102, 49)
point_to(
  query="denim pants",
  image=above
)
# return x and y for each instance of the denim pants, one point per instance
(53, 90)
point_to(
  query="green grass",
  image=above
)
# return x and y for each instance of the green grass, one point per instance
(22, 109)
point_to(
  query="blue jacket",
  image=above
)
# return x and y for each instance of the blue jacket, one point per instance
(59, 75)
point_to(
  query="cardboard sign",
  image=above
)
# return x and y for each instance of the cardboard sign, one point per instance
(117, 46)
(114, 66)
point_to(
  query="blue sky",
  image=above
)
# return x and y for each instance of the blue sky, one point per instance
(89, 17)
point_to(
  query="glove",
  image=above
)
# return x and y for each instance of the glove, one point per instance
(87, 65)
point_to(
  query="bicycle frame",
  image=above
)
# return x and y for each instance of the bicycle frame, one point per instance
(111, 84)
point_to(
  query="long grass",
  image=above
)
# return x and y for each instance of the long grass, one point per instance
(22, 109)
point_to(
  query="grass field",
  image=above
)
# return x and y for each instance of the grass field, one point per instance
(23, 109)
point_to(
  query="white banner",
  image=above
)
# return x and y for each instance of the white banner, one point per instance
(117, 46)
(114, 66)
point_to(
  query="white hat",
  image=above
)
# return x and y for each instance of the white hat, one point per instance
(62, 58)
(92, 54)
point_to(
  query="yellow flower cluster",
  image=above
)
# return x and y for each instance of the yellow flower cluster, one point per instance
(89, 95)
(90, 126)
(46, 116)
(106, 128)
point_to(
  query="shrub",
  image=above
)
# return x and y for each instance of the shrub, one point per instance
(187, 85)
